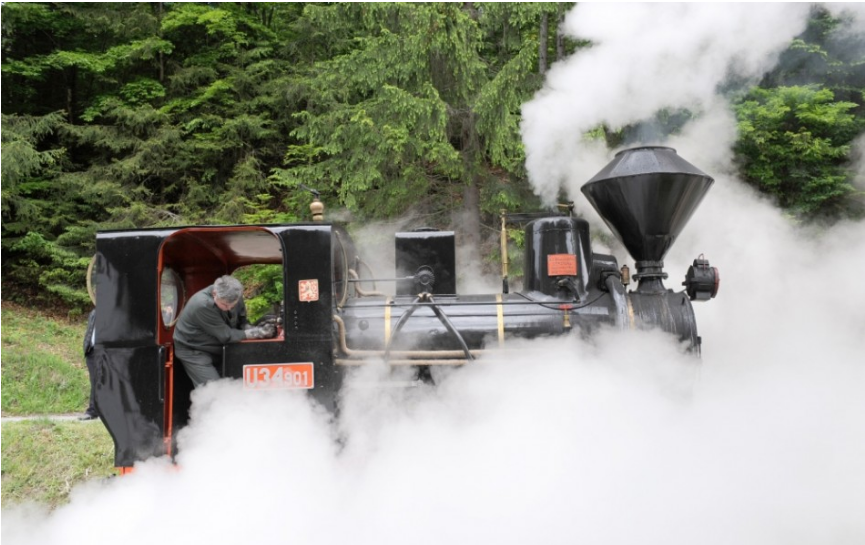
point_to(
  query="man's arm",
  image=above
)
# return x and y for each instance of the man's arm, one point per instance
(211, 321)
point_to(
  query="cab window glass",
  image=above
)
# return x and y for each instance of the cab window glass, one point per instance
(170, 296)
(92, 271)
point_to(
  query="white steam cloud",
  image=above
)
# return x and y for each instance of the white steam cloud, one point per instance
(645, 58)
(614, 440)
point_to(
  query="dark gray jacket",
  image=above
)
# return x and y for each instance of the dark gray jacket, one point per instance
(203, 326)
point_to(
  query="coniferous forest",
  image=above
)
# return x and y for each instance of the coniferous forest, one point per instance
(122, 115)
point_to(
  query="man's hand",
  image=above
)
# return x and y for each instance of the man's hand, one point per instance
(266, 331)
(267, 319)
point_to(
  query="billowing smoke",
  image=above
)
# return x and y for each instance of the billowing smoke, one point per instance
(645, 58)
(615, 439)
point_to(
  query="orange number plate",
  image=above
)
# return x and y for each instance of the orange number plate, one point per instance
(278, 376)
(562, 265)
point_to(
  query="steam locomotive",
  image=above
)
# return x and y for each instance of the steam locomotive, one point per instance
(330, 319)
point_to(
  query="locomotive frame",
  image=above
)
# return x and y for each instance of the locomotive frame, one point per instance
(328, 322)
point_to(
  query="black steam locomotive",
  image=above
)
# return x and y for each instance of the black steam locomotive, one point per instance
(332, 320)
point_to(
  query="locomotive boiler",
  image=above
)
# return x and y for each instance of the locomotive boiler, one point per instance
(332, 318)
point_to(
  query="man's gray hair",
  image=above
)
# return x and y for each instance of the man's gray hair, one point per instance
(228, 288)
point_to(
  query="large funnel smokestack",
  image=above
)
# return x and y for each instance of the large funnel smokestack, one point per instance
(646, 195)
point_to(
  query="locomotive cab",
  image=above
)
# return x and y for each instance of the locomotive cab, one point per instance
(142, 280)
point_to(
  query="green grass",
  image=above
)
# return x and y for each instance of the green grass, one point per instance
(43, 373)
(43, 460)
(43, 369)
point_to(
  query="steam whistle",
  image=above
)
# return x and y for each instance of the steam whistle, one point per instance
(316, 207)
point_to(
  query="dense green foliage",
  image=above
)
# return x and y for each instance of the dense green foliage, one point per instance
(794, 142)
(796, 129)
(143, 114)
(264, 289)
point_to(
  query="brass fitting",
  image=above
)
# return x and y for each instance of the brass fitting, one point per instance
(317, 209)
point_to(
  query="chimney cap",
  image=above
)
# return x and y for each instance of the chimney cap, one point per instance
(646, 195)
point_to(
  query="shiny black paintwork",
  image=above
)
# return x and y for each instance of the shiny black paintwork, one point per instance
(130, 364)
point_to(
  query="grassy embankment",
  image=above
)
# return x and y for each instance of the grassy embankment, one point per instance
(43, 373)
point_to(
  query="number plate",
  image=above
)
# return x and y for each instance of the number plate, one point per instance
(562, 265)
(278, 376)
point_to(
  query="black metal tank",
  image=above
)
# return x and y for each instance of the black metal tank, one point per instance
(549, 243)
